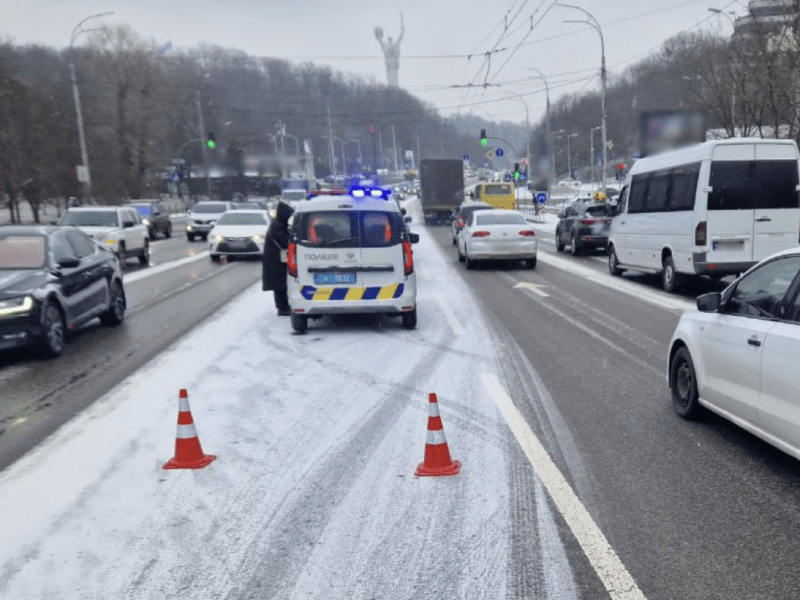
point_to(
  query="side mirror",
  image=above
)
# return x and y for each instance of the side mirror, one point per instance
(413, 238)
(403, 211)
(562, 214)
(407, 220)
(127, 224)
(709, 303)
(68, 262)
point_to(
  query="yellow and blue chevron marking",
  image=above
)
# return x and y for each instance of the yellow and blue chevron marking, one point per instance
(386, 292)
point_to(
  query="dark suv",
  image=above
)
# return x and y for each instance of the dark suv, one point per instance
(583, 224)
(154, 215)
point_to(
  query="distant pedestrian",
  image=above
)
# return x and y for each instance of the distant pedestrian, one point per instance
(273, 266)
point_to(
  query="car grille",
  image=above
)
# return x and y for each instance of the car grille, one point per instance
(237, 245)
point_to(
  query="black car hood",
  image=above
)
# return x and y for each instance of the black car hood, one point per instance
(16, 282)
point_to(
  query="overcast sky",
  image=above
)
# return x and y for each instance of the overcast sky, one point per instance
(444, 45)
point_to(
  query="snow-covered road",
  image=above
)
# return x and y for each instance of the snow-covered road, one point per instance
(313, 493)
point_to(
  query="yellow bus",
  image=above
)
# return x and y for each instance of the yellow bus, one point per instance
(499, 195)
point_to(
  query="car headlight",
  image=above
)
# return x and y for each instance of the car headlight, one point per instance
(189, 228)
(111, 242)
(146, 221)
(257, 238)
(16, 306)
(218, 238)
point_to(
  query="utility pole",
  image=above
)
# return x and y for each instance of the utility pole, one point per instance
(205, 146)
(394, 149)
(330, 141)
(84, 175)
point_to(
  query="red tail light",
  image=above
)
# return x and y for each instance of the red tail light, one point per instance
(588, 221)
(700, 234)
(291, 260)
(408, 258)
(527, 233)
(481, 234)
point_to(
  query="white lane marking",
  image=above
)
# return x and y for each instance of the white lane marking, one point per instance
(619, 284)
(609, 568)
(163, 267)
(449, 315)
(534, 287)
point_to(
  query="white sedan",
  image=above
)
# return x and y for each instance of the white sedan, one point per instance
(739, 353)
(238, 233)
(497, 234)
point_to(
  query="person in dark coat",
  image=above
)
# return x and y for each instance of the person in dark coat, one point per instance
(273, 270)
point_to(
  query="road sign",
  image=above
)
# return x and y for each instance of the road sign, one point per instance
(465, 158)
(490, 154)
(499, 152)
(541, 197)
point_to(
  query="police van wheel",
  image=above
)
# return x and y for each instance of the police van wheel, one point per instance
(410, 319)
(299, 323)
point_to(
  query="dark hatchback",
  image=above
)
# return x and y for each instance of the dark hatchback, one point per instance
(463, 214)
(582, 225)
(154, 215)
(52, 280)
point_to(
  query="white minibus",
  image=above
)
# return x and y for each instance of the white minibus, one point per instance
(715, 209)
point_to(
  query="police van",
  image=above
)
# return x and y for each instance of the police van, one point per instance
(351, 254)
(715, 208)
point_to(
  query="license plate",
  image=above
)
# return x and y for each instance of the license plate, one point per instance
(334, 278)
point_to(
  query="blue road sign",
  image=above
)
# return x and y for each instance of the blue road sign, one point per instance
(541, 197)
(465, 157)
(499, 152)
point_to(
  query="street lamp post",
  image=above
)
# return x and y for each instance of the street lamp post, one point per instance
(360, 158)
(84, 174)
(591, 143)
(569, 154)
(596, 26)
(549, 132)
(718, 11)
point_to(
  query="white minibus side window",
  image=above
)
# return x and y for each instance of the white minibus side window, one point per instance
(684, 187)
(637, 194)
(657, 187)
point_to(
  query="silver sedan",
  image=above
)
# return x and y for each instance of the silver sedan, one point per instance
(497, 234)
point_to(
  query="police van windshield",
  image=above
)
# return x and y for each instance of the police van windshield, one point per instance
(348, 229)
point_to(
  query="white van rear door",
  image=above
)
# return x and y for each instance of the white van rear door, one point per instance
(776, 218)
(729, 219)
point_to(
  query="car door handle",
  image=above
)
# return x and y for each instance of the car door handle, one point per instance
(763, 220)
(754, 341)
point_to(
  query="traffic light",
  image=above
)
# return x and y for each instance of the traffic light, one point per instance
(620, 169)
(211, 142)
(484, 139)
(516, 170)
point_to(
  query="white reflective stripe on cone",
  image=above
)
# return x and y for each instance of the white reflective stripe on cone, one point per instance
(186, 432)
(435, 437)
(183, 405)
(433, 409)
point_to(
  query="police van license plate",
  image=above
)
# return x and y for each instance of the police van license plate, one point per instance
(334, 278)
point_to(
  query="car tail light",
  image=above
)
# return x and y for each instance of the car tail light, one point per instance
(527, 233)
(481, 234)
(700, 234)
(291, 260)
(408, 258)
(588, 221)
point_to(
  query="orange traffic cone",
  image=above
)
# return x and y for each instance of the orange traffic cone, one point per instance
(437, 455)
(188, 453)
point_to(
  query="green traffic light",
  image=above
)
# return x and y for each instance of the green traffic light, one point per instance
(516, 175)
(484, 141)
(212, 145)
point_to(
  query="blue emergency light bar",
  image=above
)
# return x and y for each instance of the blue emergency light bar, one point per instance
(373, 192)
